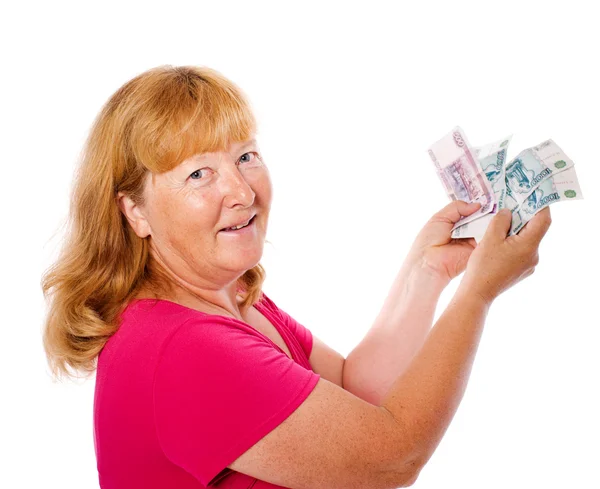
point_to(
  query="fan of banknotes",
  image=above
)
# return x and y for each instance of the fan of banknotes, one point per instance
(534, 179)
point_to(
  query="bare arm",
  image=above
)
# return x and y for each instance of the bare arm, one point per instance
(405, 319)
(396, 335)
(335, 439)
(425, 398)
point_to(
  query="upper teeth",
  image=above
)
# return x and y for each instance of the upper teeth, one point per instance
(241, 225)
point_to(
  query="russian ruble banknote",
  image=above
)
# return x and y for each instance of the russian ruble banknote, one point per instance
(461, 174)
(492, 158)
(559, 186)
(534, 179)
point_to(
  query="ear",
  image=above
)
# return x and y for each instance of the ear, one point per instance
(134, 214)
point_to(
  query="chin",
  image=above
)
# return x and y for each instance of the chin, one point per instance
(243, 259)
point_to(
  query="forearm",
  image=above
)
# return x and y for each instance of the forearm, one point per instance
(396, 335)
(425, 398)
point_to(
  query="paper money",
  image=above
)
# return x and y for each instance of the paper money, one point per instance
(534, 179)
(492, 158)
(461, 174)
(560, 186)
(534, 165)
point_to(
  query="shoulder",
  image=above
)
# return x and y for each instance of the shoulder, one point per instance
(151, 324)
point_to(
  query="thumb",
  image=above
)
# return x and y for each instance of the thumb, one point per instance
(499, 225)
(457, 209)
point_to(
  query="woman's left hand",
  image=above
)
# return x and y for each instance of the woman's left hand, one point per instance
(434, 248)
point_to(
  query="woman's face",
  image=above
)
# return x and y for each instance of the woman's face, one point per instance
(187, 208)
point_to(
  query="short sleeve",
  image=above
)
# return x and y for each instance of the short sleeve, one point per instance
(302, 333)
(218, 389)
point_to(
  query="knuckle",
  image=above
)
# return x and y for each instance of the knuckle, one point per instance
(547, 218)
(527, 252)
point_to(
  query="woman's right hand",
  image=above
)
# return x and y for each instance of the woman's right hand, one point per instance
(499, 262)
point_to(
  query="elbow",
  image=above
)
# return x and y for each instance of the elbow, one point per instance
(409, 481)
(399, 475)
(393, 480)
(409, 475)
(406, 454)
(405, 469)
(410, 468)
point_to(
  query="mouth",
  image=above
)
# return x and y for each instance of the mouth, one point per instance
(234, 231)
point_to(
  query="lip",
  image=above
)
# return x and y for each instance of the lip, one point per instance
(243, 230)
(240, 222)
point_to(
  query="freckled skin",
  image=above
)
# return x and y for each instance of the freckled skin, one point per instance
(185, 209)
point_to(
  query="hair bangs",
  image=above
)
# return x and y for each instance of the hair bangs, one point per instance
(149, 125)
(199, 113)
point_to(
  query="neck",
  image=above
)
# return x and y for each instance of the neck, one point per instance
(222, 305)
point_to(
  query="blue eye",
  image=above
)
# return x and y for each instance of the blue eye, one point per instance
(197, 175)
(251, 153)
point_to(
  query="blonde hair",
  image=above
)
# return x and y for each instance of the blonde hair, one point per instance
(151, 124)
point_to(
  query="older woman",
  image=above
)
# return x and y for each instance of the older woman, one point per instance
(201, 379)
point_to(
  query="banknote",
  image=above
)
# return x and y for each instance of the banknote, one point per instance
(560, 186)
(492, 158)
(533, 166)
(525, 180)
(461, 174)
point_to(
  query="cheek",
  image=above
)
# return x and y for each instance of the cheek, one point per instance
(264, 189)
(185, 223)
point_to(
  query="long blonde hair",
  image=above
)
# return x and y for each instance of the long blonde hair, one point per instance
(151, 124)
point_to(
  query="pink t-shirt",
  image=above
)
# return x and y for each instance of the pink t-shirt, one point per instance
(180, 394)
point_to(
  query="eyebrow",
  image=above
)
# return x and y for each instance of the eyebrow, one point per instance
(202, 156)
(248, 143)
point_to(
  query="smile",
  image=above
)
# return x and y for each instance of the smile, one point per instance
(248, 228)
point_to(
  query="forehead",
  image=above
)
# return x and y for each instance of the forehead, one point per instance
(186, 165)
(233, 148)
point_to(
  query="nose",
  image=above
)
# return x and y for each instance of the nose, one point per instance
(235, 188)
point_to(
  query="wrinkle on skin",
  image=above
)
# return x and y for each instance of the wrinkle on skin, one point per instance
(185, 216)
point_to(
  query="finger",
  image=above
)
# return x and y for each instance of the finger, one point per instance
(529, 272)
(499, 225)
(472, 243)
(538, 226)
(457, 209)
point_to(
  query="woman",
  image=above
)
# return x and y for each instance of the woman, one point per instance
(201, 380)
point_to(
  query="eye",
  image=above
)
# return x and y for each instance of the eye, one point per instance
(245, 158)
(253, 153)
(195, 175)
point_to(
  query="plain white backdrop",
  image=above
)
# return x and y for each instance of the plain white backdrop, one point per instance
(348, 96)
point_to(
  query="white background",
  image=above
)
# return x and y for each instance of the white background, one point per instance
(348, 96)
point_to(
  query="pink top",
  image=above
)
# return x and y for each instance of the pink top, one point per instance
(180, 394)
